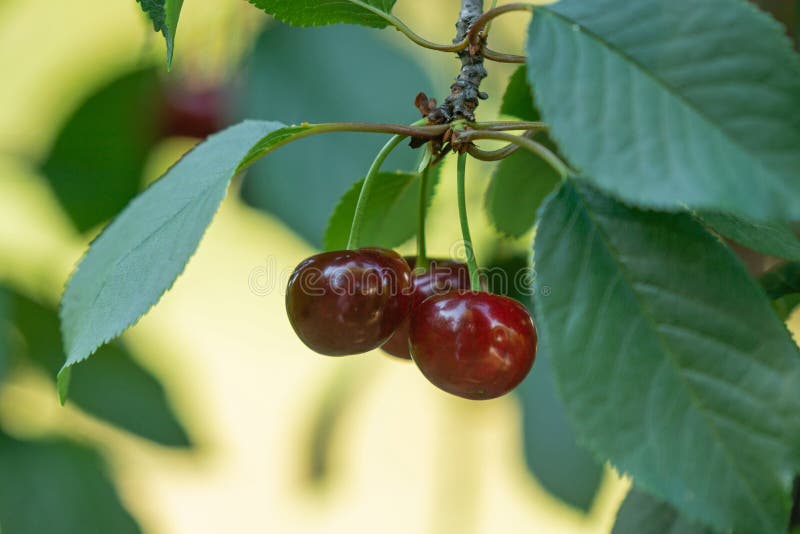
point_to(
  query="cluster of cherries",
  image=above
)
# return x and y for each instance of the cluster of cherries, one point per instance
(472, 344)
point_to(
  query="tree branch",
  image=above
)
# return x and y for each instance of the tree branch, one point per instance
(465, 92)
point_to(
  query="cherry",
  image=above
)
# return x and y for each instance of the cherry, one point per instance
(474, 345)
(193, 111)
(349, 301)
(442, 276)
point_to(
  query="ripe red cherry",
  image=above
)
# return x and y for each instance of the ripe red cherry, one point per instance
(193, 111)
(474, 345)
(349, 301)
(441, 277)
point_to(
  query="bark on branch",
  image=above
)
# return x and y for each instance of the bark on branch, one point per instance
(465, 93)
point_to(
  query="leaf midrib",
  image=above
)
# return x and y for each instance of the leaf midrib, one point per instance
(668, 353)
(658, 80)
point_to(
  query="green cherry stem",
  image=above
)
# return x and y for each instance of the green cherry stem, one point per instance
(524, 142)
(269, 144)
(424, 184)
(369, 183)
(469, 250)
(400, 26)
(505, 126)
(366, 190)
(483, 23)
(488, 16)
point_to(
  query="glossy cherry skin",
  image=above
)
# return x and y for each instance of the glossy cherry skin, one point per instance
(193, 111)
(474, 345)
(349, 301)
(442, 276)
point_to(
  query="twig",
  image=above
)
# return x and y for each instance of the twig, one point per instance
(465, 93)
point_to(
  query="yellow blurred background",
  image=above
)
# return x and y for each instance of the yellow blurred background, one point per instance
(404, 457)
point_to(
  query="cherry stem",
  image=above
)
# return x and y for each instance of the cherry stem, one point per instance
(366, 190)
(492, 155)
(489, 25)
(529, 144)
(424, 184)
(414, 130)
(503, 126)
(366, 187)
(499, 154)
(484, 21)
(500, 57)
(469, 250)
(425, 132)
(400, 26)
(488, 16)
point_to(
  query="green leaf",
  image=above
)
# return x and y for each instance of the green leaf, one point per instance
(518, 98)
(391, 216)
(164, 15)
(141, 253)
(782, 285)
(5, 333)
(112, 386)
(323, 12)
(59, 488)
(669, 359)
(564, 468)
(781, 280)
(303, 183)
(642, 513)
(277, 139)
(519, 185)
(669, 103)
(521, 181)
(772, 239)
(95, 165)
(554, 456)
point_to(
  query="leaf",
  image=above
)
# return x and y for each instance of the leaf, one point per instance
(781, 280)
(277, 139)
(59, 488)
(669, 359)
(519, 185)
(772, 239)
(5, 333)
(554, 456)
(323, 12)
(112, 386)
(391, 216)
(303, 183)
(521, 181)
(164, 15)
(141, 253)
(564, 468)
(782, 285)
(518, 99)
(669, 103)
(96, 163)
(642, 513)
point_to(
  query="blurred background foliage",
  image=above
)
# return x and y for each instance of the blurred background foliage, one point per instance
(208, 415)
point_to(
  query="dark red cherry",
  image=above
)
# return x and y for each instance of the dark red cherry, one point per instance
(349, 301)
(442, 276)
(474, 345)
(193, 111)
